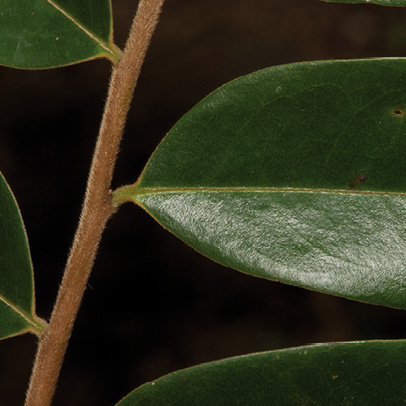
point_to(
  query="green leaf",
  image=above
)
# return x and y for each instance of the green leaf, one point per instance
(17, 312)
(294, 173)
(360, 373)
(38, 34)
(394, 3)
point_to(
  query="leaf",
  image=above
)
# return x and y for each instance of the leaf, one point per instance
(17, 313)
(294, 173)
(359, 373)
(395, 3)
(38, 34)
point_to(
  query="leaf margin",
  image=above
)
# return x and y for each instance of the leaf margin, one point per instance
(35, 324)
(149, 392)
(385, 3)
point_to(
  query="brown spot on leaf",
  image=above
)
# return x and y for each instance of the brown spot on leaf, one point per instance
(398, 112)
(358, 179)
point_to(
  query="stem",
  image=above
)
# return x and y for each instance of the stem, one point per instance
(97, 208)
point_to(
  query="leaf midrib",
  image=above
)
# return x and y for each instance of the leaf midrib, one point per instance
(146, 190)
(129, 193)
(99, 41)
(19, 311)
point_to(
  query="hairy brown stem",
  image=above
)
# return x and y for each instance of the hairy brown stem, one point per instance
(96, 210)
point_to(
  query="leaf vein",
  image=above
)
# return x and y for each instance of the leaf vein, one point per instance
(80, 26)
(18, 311)
(148, 190)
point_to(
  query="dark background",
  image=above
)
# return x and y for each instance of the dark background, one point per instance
(153, 305)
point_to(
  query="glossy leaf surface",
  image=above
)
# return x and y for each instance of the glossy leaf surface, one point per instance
(38, 34)
(395, 3)
(294, 173)
(361, 373)
(17, 313)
